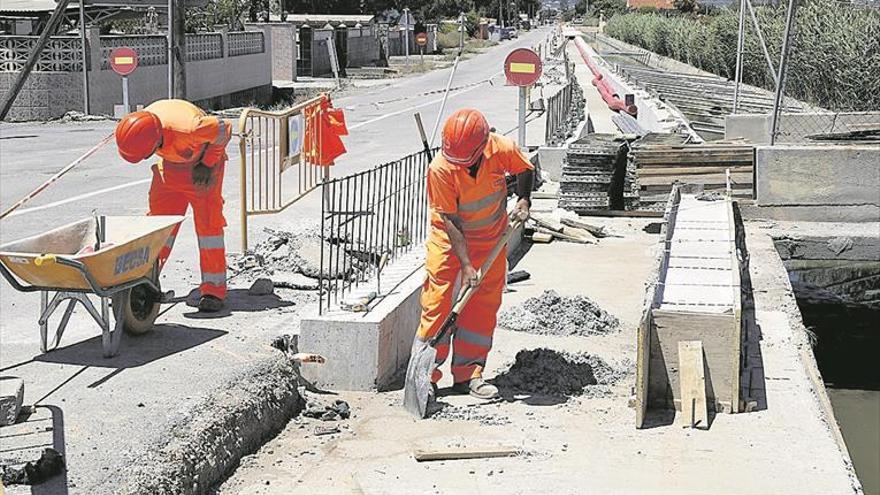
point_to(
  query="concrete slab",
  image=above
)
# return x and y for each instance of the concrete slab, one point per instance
(827, 179)
(11, 397)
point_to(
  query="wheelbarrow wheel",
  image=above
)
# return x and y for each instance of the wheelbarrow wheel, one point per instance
(139, 309)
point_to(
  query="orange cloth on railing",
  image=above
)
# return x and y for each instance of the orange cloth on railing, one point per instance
(324, 126)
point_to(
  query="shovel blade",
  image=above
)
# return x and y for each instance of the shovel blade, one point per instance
(417, 389)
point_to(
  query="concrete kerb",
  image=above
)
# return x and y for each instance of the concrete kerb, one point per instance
(819, 182)
(204, 443)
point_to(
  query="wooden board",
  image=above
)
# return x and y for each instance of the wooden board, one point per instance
(692, 373)
(446, 454)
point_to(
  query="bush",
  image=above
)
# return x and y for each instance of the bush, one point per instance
(834, 62)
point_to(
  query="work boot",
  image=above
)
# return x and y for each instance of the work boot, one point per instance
(477, 387)
(210, 304)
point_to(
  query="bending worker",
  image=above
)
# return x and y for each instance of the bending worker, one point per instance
(467, 197)
(192, 148)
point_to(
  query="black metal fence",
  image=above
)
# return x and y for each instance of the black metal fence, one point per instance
(370, 218)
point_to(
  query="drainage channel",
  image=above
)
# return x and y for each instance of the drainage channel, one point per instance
(843, 319)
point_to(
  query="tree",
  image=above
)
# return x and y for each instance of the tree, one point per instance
(685, 5)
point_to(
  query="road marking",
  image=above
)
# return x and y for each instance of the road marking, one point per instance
(409, 109)
(78, 198)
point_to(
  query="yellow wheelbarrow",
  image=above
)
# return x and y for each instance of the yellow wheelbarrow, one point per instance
(112, 257)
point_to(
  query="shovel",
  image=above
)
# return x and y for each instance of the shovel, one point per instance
(421, 363)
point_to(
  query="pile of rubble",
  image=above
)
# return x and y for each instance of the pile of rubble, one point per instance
(548, 372)
(589, 172)
(552, 314)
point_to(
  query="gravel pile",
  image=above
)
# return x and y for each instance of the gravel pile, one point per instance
(470, 413)
(552, 314)
(548, 372)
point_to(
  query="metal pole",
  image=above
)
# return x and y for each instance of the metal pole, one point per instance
(761, 39)
(739, 53)
(170, 53)
(523, 101)
(460, 32)
(406, 33)
(783, 64)
(501, 12)
(85, 65)
(125, 106)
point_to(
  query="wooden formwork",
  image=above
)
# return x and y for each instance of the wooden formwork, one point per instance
(696, 297)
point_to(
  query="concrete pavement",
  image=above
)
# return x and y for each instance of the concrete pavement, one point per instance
(119, 421)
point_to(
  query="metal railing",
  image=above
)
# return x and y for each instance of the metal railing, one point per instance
(270, 144)
(369, 218)
(558, 110)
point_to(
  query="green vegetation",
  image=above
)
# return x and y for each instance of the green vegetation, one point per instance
(835, 58)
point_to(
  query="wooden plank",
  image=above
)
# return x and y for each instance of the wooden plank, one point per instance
(663, 171)
(715, 178)
(692, 381)
(736, 352)
(453, 453)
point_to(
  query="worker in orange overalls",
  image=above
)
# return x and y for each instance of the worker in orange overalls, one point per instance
(192, 148)
(467, 196)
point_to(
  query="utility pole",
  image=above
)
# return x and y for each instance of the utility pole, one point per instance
(180, 50)
(84, 51)
(501, 12)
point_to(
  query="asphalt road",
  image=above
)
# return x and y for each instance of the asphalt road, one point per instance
(112, 407)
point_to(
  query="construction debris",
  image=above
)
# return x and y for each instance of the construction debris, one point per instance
(262, 287)
(48, 465)
(518, 276)
(327, 412)
(552, 314)
(547, 372)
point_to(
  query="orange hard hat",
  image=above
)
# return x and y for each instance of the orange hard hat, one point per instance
(137, 135)
(465, 135)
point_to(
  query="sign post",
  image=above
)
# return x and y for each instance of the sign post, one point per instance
(522, 68)
(124, 61)
(422, 41)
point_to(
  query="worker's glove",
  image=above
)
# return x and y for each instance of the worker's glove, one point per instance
(521, 210)
(202, 175)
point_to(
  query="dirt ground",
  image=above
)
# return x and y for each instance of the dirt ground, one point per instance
(585, 444)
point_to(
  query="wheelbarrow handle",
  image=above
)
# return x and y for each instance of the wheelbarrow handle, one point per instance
(45, 259)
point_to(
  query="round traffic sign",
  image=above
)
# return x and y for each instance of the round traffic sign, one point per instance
(123, 60)
(522, 67)
(422, 39)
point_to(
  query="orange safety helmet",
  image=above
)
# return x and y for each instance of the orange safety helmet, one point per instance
(138, 135)
(465, 135)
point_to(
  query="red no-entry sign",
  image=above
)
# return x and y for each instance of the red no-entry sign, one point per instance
(422, 39)
(123, 60)
(522, 67)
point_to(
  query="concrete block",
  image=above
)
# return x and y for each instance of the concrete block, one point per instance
(550, 159)
(365, 351)
(817, 175)
(11, 398)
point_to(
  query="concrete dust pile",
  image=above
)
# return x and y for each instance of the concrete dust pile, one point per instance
(552, 314)
(548, 372)
(474, 412)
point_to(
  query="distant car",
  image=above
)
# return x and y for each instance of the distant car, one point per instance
(509, 33)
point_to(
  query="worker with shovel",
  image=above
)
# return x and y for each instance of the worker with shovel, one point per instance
(192, 148)
(467, 197)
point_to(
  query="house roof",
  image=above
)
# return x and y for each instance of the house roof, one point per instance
(27, 5)
(348, 19)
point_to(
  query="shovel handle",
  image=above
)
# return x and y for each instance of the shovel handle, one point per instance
(468, 291)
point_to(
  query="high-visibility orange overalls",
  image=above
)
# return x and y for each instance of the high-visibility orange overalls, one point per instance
(480, 203)
(190, 137)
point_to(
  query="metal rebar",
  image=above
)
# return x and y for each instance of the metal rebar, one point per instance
(321, 273)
